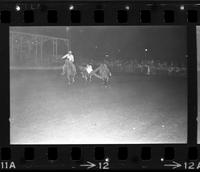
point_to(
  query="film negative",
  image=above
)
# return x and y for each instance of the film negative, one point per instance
(99, 85)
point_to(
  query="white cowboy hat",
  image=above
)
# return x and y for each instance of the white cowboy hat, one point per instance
(70, 52)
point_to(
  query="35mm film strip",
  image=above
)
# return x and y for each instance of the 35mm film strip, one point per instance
(99, 85)
(100, 13)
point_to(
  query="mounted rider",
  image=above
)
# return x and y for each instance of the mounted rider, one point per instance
(69, 57)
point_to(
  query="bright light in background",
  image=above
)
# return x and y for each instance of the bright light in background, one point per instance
(146, 49)
(17, 8)
(182, 7)
(107, 159)
(127, 7)
(71, 7)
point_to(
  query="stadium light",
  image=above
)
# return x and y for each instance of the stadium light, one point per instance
(107, 159)
(71, 7)
(18, 8)
(182, 7)
(127, 7)
(146, 49)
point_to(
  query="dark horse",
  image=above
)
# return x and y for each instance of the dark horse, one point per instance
(69, 69)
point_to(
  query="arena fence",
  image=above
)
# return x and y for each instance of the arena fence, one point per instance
(34, 51)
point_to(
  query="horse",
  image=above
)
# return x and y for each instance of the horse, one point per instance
(69, 69)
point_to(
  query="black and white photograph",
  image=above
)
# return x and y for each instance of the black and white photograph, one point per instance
(98, 84)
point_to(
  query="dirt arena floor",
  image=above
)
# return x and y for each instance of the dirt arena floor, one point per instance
(134, 109)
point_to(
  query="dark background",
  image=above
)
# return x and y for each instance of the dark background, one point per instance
(163, 43)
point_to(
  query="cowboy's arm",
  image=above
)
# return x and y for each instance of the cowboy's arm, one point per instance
(93, 73)
(96, 70)
(64, 56)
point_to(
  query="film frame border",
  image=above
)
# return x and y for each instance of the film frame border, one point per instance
(135, 156)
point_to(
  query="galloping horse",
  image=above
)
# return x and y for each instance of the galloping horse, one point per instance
(69, 69)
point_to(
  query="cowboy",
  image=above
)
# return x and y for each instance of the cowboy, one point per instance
(88, 71)
(104, 73)
(68, 57)
(89, 68)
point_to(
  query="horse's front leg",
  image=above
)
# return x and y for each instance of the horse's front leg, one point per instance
(63, 70)
(73, 79)
(68, 80)
(90, 77)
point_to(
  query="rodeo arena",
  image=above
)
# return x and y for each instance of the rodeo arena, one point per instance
(60, 97)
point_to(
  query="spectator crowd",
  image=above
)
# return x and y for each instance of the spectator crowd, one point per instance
(148, 67)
